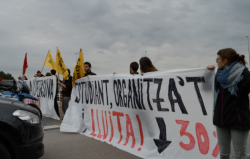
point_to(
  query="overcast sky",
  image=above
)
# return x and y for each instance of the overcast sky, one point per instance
(114, 33)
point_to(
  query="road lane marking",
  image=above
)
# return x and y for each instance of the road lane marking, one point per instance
(51, 127)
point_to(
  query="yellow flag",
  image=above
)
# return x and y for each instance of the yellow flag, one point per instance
(60, 66)
(79, 68)
(49, 61)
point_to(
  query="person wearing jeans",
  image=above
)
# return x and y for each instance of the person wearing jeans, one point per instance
(231, 108)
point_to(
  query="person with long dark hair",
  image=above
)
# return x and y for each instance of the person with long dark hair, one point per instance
(146, 65)
(231, 108)
(24, 78)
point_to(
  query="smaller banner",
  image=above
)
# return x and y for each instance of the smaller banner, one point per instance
(44, 88)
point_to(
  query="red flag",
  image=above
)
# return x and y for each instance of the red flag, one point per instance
(25, 64)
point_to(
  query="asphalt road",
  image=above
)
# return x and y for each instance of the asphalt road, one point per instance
(50, 122)
(60, 145)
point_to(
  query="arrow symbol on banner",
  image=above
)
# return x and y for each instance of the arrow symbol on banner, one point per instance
(162, 143)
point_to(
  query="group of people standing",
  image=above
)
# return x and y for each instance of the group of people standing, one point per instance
(67, 87)
(231, 108)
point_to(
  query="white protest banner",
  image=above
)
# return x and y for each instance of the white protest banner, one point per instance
(44, 88)
(160, 115)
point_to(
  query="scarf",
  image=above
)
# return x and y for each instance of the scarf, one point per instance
(228, 78)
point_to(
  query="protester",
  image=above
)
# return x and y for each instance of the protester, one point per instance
(48, 74)
(133, 68)
(67, 87)
(39, 74)
(146, 65)
(21, 85)
(24, 78)
(87, 69)
(53, 73)
(231, 111)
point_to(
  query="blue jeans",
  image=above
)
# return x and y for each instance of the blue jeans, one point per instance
(239, 139)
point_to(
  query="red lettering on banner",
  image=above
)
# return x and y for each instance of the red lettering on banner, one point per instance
(214, 133)
(141, 132)
(201, 132)
(119, 114)
(112, 129)
(93, 123)
(129, 133)
(203, 146)
(99, 134)
(105, 132)
(216, 149)
(183, 132)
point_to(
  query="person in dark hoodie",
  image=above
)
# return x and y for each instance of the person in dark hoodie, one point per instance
(67, 88)
(231, 111)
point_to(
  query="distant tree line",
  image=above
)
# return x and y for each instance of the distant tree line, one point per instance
(6, 75)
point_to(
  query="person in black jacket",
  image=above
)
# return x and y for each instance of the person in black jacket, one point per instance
(231, 111)
(87, 69)
(53, 73)
(67, 88)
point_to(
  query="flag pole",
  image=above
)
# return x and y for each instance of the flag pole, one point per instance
(60, 99)
(44, 62)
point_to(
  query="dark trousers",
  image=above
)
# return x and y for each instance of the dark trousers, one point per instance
(56, 106)
(65, 104)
